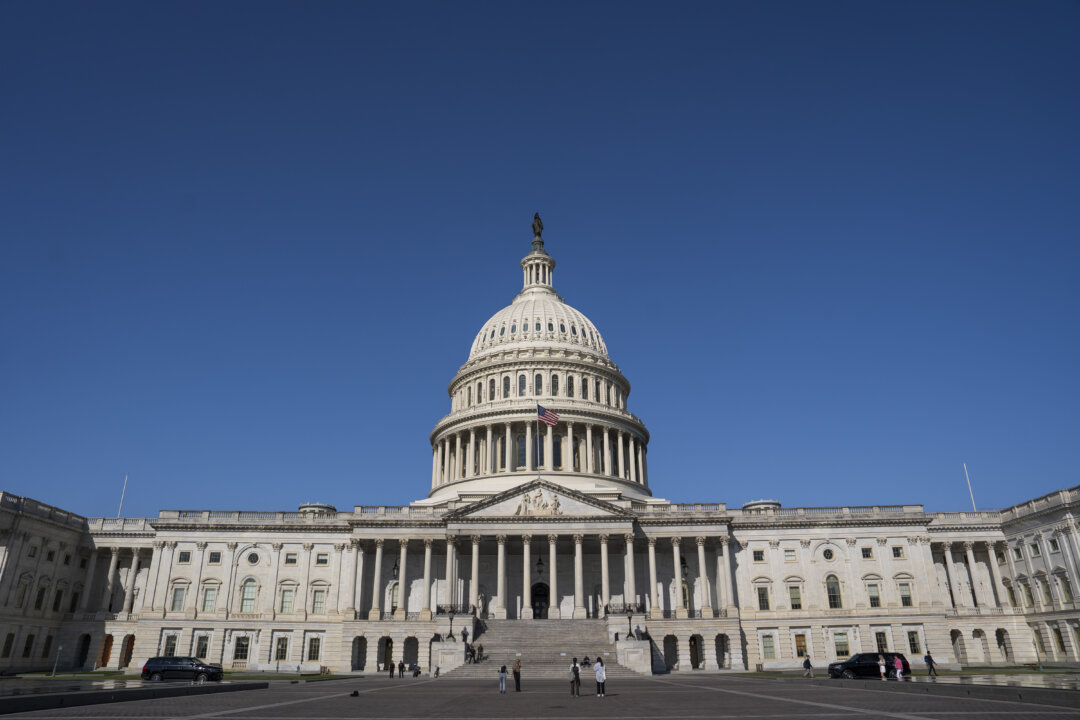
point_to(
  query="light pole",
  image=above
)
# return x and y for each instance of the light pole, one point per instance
(451, 623)
(629, 623)
(56, 661)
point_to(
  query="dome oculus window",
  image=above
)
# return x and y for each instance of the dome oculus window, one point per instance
(562, 328)
(502, 331)
(513, 328)
(828, 554)
(537, 326)
(253, 558)
(551, 327)
(573, 330)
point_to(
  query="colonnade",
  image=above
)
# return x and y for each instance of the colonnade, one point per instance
(964, 589)
(583, 447)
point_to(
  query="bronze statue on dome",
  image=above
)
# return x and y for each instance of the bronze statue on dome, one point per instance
(537, 226)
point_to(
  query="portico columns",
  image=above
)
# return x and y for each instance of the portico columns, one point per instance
(435, 466)
(110, 580)
(589, 460)
(607, 454)
(633, 465)
(470, 469)
(529, 450)
(622, 469)
(642, 475)
(455, 471)
(721, 568)
(631, 585)
(568, 448)
(425, 591)
(474, 583)
(554, 606)
(349, 600)
(376, 590)
(526, 589)
(129, 594)
(451, 581)
(680, 601)
(605, 586)
(506, 450)
(579, 584)
(403, 584)
(995, 572)
(489, 453)
(954, 586)
(706, 595)
(500, 582)
(654, 610)
(549, 448)
(729, 568)
(969, 555)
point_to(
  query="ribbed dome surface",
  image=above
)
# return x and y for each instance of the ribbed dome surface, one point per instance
(537, 316)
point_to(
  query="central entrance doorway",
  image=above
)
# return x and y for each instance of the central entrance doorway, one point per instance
(540, 599)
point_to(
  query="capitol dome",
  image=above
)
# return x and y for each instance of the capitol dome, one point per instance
(538, 354)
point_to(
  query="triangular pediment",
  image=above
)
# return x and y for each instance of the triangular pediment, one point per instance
(541, 500)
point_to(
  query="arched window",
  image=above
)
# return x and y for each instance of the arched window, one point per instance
(537, 326)
(538, 384)
(596, 390)
(247, 596)
(832, 587)
(513, 328)
(584, 388)
(554, 385)
(569, 386)
(521, 386)
(393, 596)
(480, 392)
(520, 451)
(551, 326)
(468, 397)
(491, 390)
(506, 387)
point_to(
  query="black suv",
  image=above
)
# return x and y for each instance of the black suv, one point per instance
(180, 668)
(866, 665)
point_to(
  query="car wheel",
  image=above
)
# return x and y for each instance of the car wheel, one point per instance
(848, 675)
(155, 677)
(202, 677)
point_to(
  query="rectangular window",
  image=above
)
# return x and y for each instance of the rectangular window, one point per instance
(796, 597)
(313, 648)
(209, 598)
(1011, 594)
(8, 642)
(240, 649)
(1000, 557)
(318, 602)
(67, 559)
(290, 558)
(1054, 547)
(759, 556)
(875, 597)
(789, 556)
(322, 559)
(215, 557)
(32, 552)
(882, 641)
(867, 553)
(48, 644)
(1039, 642)
(1018, 553)
(840, 644)
(1066, 590)
(1029, 599)
(898, 551)
(800, 645)
(1034, 549)
(281, 648)
(768, 651)
(287, 600)
(185, 557)
(177, 599)
(913, 642)
(28, 648)
(202, 646)
(905, 594)
(57, 599)
(170, 645)
(50, 556)
(763, 598)
(1058, 640)
(1048, 599)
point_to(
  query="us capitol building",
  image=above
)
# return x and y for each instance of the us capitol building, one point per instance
(538, 538)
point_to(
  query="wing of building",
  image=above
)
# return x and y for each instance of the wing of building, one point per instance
(539, 536)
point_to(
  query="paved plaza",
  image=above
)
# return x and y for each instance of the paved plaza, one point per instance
(657, 697)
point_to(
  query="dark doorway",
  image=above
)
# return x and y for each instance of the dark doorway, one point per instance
(126, 649)
(106, 651)
(83, 652)
(540, 600)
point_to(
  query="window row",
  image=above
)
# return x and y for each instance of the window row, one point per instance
(288, 598)
(841, 643)
(558, 385)
(1044, 586)
(254, 557)
(1034, 550)
(539, 328)
(41, 598)
(833, 593)
(866, 552)
(242, 647)
(28, 646)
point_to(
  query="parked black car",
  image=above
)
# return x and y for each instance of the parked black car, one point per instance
(866, 665)
(180, 668)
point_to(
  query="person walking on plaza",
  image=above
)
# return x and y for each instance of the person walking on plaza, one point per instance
(808, 669)
(401, 669)
(391, 664)
(502, 680)
(517, 675)
(899, 664)
(575, 679)
(930, 667)
(881, 665)
(601, 676)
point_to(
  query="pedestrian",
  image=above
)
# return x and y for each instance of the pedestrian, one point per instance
(502, 680)
(601, 676)
(881, 665)
(899, 668)
(464, 635)
(585, 661)
(401, 669)
(517, 675)
(391, 664)
(930, 668)
(808, 669)
(480, 653)
(575, 679)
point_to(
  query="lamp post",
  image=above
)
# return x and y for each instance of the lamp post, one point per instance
(451, 623)
(629, 623)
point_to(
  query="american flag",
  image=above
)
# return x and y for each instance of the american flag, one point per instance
(546, 416)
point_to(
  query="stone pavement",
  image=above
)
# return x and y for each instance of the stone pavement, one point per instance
(627, 699)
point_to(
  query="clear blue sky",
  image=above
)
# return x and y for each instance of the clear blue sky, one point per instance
(245, 246)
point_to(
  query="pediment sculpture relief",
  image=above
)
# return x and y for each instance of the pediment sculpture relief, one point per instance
(537, 504)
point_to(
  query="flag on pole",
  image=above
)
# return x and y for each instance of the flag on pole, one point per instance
(546, 416)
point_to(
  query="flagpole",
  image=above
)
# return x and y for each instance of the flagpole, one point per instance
(122, 492)
(969, 488)
(537, 441)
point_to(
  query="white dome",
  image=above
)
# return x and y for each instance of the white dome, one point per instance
(538, 317)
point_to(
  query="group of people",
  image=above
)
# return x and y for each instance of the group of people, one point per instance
(517, 677)
(414, 668)
(576, 671)
(474, 653)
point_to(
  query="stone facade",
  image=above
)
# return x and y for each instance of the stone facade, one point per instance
(540, 524)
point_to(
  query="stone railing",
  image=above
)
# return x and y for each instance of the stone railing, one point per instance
(211, 517)
(29, 506)
(119, 525)
(1059, 498)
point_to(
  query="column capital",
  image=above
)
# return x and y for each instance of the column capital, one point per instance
(340, 546)
(403, 542)
(475, 540)
(651, 541)
(171, 544)
(231, 546)
(700, 540)
(201, 545)
(603, 538)
(356, 544)
(852, 542)
(629, 538)
(526, 539)
(578, 538)
(501, 539)
(553, 539)
(725, 539)
(676, 541)
(775, 544)
(883, 541)
(451, 540)
(805, 544)
(379, 542)
(428, 542)
(308, 547)
(158, 544)
(277, 546)
(968, 545)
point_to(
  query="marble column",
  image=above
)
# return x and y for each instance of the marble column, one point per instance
(110, 580)
(129, 593)
(579, 580)
(554, 606)
(455, 470)
(376, 584)
(721, 567)
(955, 590)
(474, 585)
(435, 466)
(526, 574)
(631, 458)
(703, 579)
(470, 469)
(192, 601)
(500, 578)
(549, 448)
(348, 581)
(88, 583)
(403, 581)
(507, 449)
(489, 452)
(450, 585)
(729, 583)
(995, 573)
(643, 477)
(969, 556)
(619, 454)
(425, 591)
(607, 454)
(529, 449)
(655, 611)
(589, 458)
(568, 448)
(680, 601)
(605, 584)
(631, 584)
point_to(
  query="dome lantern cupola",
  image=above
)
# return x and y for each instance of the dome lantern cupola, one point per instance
(538, 267)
